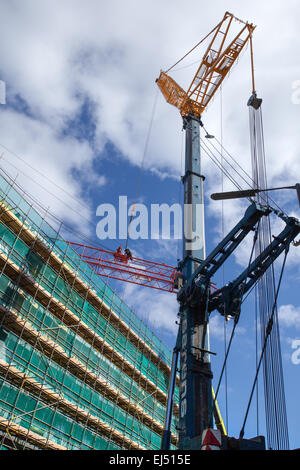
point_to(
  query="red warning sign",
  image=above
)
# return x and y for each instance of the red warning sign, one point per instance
(211, 437)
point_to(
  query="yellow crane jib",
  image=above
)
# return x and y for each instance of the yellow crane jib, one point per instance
(215, 65)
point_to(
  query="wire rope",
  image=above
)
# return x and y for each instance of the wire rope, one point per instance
(42, 175)
(223, 266)
(267, 334)
(236, 318)
(276, 419)
(142, 162)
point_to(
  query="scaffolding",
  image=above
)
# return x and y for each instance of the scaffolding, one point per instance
(78, 368)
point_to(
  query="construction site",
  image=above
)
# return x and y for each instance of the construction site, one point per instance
(80, 369)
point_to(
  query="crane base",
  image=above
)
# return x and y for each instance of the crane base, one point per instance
(227, 443)
(255, 443)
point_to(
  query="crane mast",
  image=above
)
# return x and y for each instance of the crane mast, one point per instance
(195, 370)
(196, 404)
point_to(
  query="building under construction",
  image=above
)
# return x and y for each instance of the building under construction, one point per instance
(78, 368)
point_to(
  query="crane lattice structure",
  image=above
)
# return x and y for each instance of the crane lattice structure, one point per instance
(214, 67)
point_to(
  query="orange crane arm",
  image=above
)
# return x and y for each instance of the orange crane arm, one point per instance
(214, 67)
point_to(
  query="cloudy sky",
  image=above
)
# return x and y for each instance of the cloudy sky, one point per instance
(80, 97)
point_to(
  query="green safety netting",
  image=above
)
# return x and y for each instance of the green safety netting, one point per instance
(26, 358)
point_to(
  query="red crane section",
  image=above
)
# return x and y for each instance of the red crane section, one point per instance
(124, 267)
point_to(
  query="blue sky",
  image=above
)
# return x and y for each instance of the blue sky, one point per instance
(80, 92)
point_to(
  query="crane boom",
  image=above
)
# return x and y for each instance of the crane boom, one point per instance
(225, 299)
(225, 248)
(214, 67)
(228, 298)
(116, 265)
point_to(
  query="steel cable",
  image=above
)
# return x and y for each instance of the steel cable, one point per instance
(267, 333)
(276, 420)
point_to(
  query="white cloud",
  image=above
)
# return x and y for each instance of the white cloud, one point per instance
(164, 174)
(216, 327)
(289, 316)
(53, 157)
(165, 249)
(112, 52)
(156, 307)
